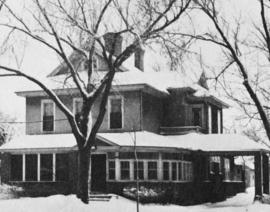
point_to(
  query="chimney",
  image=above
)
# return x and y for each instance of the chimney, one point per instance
(110, 38)
(139, 58)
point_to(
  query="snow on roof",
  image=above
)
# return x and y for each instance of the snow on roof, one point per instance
(48, 141)
(217, 142)
(192, 141)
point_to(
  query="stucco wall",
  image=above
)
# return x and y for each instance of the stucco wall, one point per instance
(131, 114)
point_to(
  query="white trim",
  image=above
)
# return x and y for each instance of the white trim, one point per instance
(209, 119)
(38, 167)
(54, 167)
(117, 166)
(218, 121)
(43, 101)
(23, 167)
(109, 110)
(159, 167)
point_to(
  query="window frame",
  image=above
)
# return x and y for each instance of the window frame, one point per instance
(44, 101)
(95, 58)
(201, 107)
(110, 98)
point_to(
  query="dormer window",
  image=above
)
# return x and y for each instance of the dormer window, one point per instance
(116, 113)
(197, 116)
(47, 110)
(94, 64)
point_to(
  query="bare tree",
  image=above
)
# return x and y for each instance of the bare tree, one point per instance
(80, 27)
(238, 50)
(7, 129)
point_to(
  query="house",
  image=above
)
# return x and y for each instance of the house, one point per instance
(174, 125)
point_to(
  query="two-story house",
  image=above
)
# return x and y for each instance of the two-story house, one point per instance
(174, 125)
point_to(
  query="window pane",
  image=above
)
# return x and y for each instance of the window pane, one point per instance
(196, 113)
(16, 167)
(152, 170)
(165, 170)
(115, 113)
(112, 170)
(31, 167)
(61, 167)
(174, 167)
(180, 171)
(124, 166)
(140, 170)
(48, 117)
(46, 167)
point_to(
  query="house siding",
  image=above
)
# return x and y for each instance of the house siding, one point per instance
(152, 112)
(132, 121)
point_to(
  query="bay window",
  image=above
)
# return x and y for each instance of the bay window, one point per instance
(152, 170)
(125, 170)
(31, 167)
(16, 171)
(46, 167)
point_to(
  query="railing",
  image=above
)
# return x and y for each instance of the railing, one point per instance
(180, 130)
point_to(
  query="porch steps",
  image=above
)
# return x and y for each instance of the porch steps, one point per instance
(100, 197)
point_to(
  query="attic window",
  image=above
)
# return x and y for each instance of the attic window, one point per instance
(94, 64)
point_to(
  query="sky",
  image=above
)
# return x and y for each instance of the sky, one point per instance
(40, 61)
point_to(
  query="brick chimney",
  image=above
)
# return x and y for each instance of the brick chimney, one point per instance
(109, 39)
(139, 58)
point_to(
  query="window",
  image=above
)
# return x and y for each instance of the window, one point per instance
(139, 170)
(61, 167)
(215, 164)
(94, 64)
(166, 175)
(197, 116)
(77, 108)
(174, 171)
(16, 167)
(31, 167)
(115, 113)
(111, 170)
(46, 167)
(125, 167)
(152, 170)
(47, 116)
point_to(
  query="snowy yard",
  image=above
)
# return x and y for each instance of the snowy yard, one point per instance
(241, 202)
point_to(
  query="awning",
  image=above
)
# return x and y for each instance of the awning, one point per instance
(192, 141)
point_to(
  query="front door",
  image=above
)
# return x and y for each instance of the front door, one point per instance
(98, 172)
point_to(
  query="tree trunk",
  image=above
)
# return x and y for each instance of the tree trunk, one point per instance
(84, 179)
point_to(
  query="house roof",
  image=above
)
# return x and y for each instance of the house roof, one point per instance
(208, 143)
(156, 83)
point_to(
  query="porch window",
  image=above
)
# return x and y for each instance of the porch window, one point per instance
(115, 113)
(174, 171)
(125, 170)
(152, 170)
(47, 116)
(61, 167)
(16, 167)
(46, 167)
(111, 170)
(31, 167)
(215, 165)
(140, 170)
(180, 171)
(197, 116)
(166, 175)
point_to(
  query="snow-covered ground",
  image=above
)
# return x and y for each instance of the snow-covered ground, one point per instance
(60, 203)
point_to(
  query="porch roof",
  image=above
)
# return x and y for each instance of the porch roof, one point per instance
(193, 141)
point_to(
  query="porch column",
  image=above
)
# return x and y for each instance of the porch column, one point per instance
(209, 119)
(265, 174)
(258, 174)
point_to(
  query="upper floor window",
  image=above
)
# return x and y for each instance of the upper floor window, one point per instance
(116, 113)
(197, 116)
(47, 115)
(94, 64)
(77, 108)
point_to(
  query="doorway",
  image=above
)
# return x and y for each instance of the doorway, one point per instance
(98, 172)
